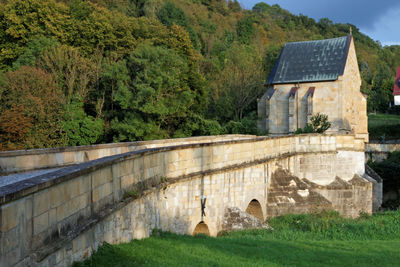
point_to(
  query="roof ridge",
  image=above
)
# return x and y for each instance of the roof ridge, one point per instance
(313, 41)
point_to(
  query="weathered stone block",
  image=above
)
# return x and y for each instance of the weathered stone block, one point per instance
(102, 191)
(40, 223)
(12, 257)
(57, 196)
(10, 240)
(128, 180)
(53, 216)
(10, 214)
(84, 184)
(101, 176)
(41, 202)
(72, 206)
(28, 210)
(79, 243)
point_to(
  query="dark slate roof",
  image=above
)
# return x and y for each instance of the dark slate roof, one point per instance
(311, 61)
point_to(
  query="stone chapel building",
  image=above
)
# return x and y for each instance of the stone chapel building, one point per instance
(315, 77)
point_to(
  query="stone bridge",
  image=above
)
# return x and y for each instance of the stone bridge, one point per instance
(380, 151)
(187, 186)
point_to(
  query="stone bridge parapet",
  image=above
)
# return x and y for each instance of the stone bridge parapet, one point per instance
(63, 216)
(34, 159)
(380, 151)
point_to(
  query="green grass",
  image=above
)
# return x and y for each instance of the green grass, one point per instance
(323, 239)
(376, 120)
(387, 125)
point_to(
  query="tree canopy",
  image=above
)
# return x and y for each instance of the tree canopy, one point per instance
(75, 72)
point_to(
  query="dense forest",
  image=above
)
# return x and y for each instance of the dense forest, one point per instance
(84, 72)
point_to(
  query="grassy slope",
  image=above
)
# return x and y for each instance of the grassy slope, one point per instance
(377, 120)
(298, 240)
(384, 124)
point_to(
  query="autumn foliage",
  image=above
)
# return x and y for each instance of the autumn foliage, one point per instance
(31, 110)
(78, 72)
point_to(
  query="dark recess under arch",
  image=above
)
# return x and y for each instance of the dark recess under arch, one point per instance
(254, 208)
(201, 228)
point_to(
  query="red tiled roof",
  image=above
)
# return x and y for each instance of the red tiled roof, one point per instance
(396, 89)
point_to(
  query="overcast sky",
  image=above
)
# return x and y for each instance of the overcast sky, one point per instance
(379, 19)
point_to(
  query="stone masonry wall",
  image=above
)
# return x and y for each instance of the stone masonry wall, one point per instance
(379, 151)
(354, 103)
(26, 160)
(54, 219)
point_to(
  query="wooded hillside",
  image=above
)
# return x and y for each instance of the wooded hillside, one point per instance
(83, 72)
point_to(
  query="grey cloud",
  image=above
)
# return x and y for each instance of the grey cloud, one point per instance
(362, 13)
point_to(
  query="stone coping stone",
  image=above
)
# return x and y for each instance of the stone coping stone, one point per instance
(114, 145)
(382, 147)
(386, 142)
(26, 187)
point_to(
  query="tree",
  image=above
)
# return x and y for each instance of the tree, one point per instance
(14, 127)
(94, 27)
(271, 56)
(31, 108)
(381, 89)
(22, 20)
(80, 128)
(114, 77)
(234, 6)
(261, 7)
(245, 30)
(169, 14)
(74, 73)
(34, 50)
(240, 82)
(159, 97)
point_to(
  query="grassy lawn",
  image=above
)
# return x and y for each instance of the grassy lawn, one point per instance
(384, 124)
(298, 240)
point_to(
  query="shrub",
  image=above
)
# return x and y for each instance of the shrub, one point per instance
(248, 125)
(319, 124)
(133, 194)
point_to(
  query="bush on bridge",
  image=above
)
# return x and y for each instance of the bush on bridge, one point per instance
(319, 124)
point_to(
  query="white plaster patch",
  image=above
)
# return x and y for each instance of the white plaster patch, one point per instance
(303, 193)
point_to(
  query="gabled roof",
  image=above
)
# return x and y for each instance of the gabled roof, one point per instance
(311, 61)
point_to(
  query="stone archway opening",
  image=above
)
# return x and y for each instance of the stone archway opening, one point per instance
(201, 228)
(254, 209)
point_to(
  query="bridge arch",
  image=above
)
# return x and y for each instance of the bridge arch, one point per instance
(201, 228)
(254, 208)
